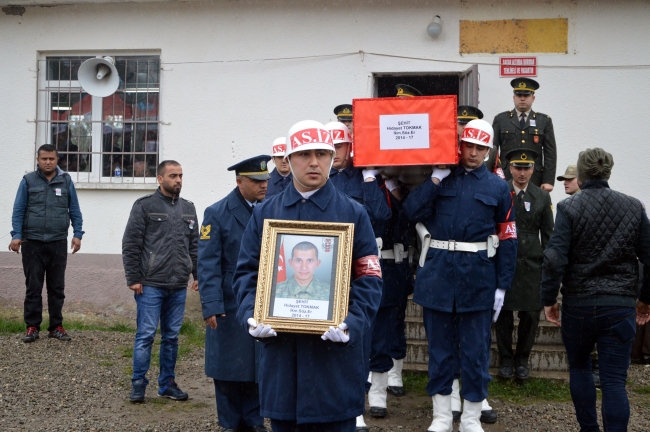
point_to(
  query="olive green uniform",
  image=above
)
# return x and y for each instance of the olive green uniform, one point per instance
(534, 229)
(316, 290)
(508, 135)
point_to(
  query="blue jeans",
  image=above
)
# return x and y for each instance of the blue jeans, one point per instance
(168, 307)
(612, 329)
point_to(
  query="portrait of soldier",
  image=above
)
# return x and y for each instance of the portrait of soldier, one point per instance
(303, 284)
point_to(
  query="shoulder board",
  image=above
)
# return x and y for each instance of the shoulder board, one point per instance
(543, 115)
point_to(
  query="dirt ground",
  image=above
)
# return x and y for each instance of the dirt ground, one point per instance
(84, 385)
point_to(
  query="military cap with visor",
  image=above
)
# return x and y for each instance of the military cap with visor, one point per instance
(570, 173)
(343, 112)
(524, 86)
(255, 167)
(523, 158)
(467, 113)
(407, 90)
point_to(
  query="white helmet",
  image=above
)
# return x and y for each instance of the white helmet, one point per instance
(279, 146)
(308, 135)
(478, 132)
(340, 132)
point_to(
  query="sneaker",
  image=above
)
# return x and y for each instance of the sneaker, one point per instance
(172, 391)
(137, 391)
(60, 334)
(31, 335)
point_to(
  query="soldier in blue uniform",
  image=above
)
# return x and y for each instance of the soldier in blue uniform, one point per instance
(230, 352)
(363, 187)
(310, 382)
(388, 345)
(469, 265)
(281, 174)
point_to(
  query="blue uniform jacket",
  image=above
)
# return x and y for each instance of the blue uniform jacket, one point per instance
(230, 352)
(466, 207)
(368, 194)
(277, 183)
(302, 377)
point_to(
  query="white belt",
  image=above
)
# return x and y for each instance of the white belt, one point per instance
(452, 245)
(397, 251)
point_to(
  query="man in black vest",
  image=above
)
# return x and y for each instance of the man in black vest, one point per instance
(45, 204)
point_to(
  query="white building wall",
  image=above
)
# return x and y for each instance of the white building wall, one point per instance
(222, 112)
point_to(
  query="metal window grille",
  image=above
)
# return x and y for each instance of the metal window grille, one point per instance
(114, 139)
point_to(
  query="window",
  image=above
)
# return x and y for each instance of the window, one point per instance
(114, 139)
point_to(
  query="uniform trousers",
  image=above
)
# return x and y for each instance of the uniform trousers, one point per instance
(397, 346)
(383, 326)
(349, 425)
(44, 262)
(474, 330)
(527, 329)
(238, 404)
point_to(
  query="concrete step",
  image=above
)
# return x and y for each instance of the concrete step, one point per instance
(547, 333)
(414, 310)
(552, 375)
(542, 358)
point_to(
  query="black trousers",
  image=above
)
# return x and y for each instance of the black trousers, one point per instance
(528, 323)
(44, 261)
(238, 404)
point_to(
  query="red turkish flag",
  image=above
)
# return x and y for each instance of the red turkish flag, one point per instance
(282, 271)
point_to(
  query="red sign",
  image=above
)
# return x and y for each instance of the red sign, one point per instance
(405, 131)
(517, 66)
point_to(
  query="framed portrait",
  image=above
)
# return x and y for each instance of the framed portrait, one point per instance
(304, 277)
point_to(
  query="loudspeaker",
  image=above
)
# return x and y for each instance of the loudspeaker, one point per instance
(98, 76)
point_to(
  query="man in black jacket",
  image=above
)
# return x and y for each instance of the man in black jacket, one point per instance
(599, 234)
(159, 251)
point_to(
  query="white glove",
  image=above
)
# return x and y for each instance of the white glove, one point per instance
(440, 173)
(391, 184)
(370, 173)
(499, 295)
(337, 334)
(260, 330)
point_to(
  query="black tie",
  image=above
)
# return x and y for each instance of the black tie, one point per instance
(520, 195)
(522, 120)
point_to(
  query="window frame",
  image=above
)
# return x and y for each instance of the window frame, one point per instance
(94, 178)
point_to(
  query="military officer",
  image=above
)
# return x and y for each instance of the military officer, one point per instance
(281, 174)
(230, 352)
(344, 115)
(303, 284)
(465, 114)
(465, 271)
(310, 382)
(534, 228)
(570, 179)
(404, 90)
(522, 127)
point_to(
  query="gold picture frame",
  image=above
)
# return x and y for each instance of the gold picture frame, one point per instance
(311, 293)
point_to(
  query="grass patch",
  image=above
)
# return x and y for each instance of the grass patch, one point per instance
(644, 390)
(415, 382)
(530, 391)
(11, 326)
(127, 352)
(15, 325)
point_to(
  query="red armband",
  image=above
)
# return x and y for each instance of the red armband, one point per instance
(507, 230)
(366, 266)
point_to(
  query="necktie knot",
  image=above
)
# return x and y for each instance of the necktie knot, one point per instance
(520, 195)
